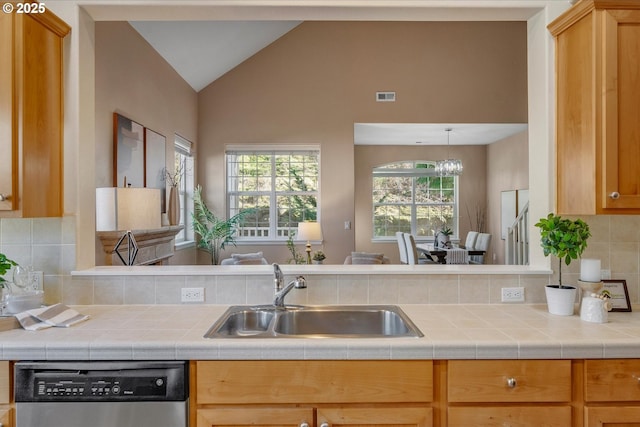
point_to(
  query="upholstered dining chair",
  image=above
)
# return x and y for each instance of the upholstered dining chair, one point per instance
(482, 244)
(470, 241)
(413, 257)
(402, 247)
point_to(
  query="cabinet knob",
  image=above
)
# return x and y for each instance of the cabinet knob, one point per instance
(325, 424)
(511, 382)
(303, 424)
(615, 195)
(4, 197)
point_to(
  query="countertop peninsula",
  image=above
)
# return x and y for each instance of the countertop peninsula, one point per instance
(451, 331)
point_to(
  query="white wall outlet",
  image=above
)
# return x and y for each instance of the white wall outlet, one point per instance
(36, 278)
(513, 294)
(192, 295)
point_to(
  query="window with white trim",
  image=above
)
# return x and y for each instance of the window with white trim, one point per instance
(280, 184)
(184, 163)
(409, 196)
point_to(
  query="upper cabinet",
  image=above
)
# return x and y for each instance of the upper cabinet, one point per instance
(31, 114)
(598, 113)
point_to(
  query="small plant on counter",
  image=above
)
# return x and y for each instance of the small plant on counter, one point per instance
(564, 238)
(318, 256)
(5, 265)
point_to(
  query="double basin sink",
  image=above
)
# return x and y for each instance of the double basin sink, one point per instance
(330, 321)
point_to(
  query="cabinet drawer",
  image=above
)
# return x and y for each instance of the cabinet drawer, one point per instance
(4, 382)
(602, 416)
(612, 380)
(509, 381)
(512, 416)
(312, 381)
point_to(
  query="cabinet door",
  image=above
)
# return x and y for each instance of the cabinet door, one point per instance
(7, 160)
(512, 416)
(5, 418)
(612, 417)
(621, 110)
(244, 416)
(388, 417)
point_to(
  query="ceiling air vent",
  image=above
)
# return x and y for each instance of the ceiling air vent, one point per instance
(385, 96)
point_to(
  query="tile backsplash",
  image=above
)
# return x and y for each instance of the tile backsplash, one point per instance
(48, 244)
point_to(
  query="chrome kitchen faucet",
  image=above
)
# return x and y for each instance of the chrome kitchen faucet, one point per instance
(280, 290)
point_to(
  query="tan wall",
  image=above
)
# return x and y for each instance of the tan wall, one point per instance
(132, 79)
(507, 169)
(315, 82)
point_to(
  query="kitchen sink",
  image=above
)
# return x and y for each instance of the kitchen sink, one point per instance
(330, 321)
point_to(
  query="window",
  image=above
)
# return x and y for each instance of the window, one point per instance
(408, 196)
(280, 185)
(184, 164)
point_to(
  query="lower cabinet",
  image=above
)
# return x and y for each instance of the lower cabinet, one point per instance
(312, 393)
(6, 410)
(454, 393)
(514, 393)
(612, 393)
(5, 418)
(309, 417)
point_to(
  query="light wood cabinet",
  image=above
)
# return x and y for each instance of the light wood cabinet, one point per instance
(612, 393)
(31, 114)
(482, 393)
(312, 392)
(598, 114)
(6, 409)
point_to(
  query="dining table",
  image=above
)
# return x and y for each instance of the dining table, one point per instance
(439, 255)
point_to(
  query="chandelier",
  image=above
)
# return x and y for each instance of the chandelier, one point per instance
(449, 167)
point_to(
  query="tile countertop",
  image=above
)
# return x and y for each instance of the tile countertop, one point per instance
(153, 332)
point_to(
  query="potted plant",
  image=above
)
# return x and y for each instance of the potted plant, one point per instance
(566, 239)
(443, 238)
(318, 257)
(214, 233)
(5, 265)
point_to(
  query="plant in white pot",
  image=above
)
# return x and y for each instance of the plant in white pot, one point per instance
(566, 239)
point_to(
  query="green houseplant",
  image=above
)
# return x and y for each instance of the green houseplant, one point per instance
(318, 257)
(214, 233)
(5, 265)
(443, 237)
(566, 239)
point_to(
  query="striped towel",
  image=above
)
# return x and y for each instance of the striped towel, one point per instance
(457, 256)
(58, 315)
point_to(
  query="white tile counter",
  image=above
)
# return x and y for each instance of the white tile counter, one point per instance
(482, 331)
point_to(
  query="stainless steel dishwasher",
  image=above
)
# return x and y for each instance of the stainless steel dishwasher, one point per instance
(102, 394)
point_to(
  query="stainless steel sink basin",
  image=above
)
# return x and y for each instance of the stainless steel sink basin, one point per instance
(331, 321)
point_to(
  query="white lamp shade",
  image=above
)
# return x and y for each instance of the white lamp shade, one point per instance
(119, 208)
(309, 231)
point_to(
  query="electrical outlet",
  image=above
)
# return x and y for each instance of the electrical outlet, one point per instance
(513, 294)
(36, 278)
(605, 274)
(192, 295)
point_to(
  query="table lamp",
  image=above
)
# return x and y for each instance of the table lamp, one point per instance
(309, 231)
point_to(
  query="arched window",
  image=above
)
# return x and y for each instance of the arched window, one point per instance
(409, 196)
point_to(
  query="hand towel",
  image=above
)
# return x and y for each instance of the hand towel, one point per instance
(58, 315)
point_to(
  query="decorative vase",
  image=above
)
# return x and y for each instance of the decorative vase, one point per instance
(173, 209)
(561, 301)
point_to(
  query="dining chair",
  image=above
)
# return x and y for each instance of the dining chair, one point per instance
(413, 257)
(470, 241)
(482, 244)
(402, 247)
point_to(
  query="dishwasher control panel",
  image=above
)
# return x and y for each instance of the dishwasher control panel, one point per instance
(100, 381)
